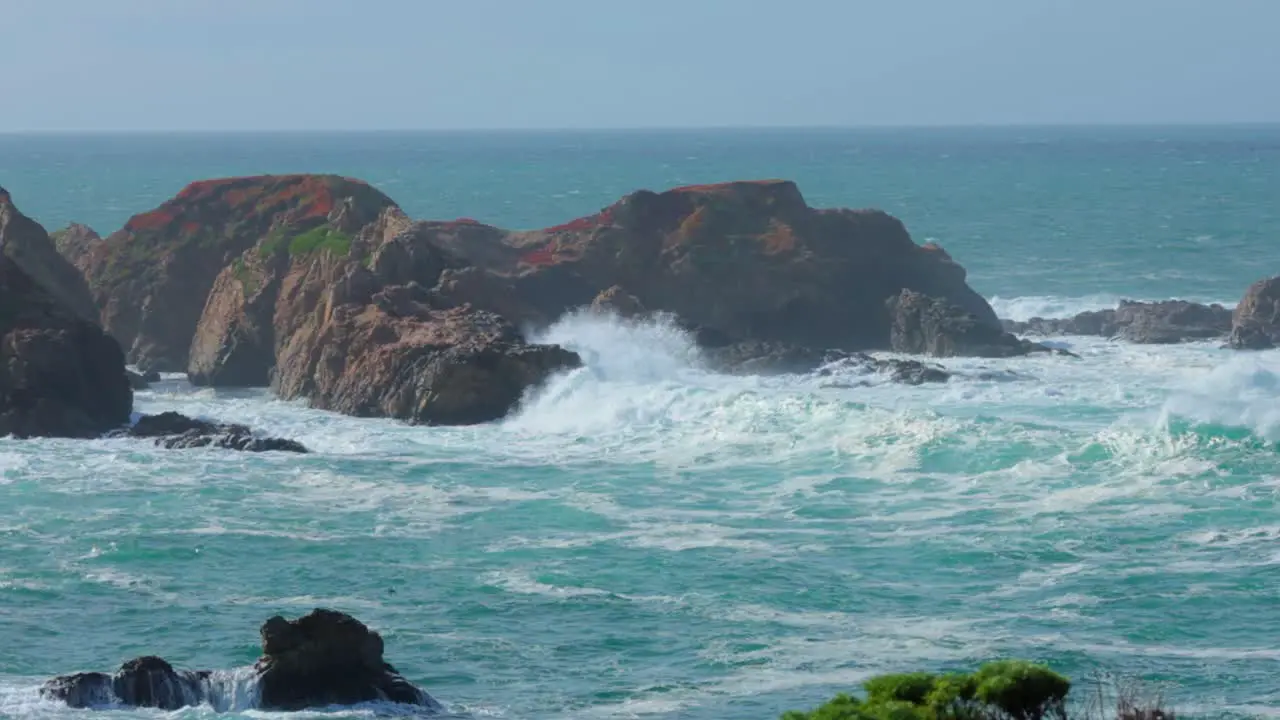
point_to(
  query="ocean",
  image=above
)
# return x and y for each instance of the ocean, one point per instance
(643, 539)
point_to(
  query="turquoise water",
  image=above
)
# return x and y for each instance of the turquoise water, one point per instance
(644, 539)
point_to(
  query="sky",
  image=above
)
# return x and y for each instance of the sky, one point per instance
(135, 65)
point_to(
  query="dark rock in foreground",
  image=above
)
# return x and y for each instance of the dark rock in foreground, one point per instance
(1153, 323)
(322, 659)
(924, 325)
(172, 430)
(328, 658)
(1256, 322)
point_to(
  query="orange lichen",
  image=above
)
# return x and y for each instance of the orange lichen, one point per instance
(780, 238)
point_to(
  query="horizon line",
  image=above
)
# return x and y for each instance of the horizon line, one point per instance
(650, 128)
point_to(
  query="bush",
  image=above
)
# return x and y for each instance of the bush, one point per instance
(1003, 690)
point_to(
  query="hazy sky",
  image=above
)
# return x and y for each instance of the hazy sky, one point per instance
(402, 64)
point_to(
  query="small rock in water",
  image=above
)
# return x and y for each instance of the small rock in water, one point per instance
(173, 431)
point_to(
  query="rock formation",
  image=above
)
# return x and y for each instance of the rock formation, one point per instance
(322, 659)
(60, 375)
(1255, 324)
(328, 658)
(74, 243)
(172, 430)
(935, 326)
(1165, 322)
(323, 289)
(25, 242)
(152, 278)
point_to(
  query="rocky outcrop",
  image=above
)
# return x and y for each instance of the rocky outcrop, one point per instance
(26, 243)
(323, 659)
(748, 260)
(400, 357)
(152, 278)
(328, 658)
(145, 682)
(933, 326)
(1154, 323)
(1255, 324)
(174, 431)
(60, 374)
(74, 242)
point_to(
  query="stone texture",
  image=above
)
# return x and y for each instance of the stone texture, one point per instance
(1255, 324)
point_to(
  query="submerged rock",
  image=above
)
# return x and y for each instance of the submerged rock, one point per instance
(1151, 323)
(764, 358)
(173, 430)
(322, 659)
(1255, 325)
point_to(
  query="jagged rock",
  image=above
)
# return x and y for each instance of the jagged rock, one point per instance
(322, 659)
(148, 682)
(328, 658)
(26, 243)
(1255, 323)
(399, 357)
(74, 242)
(60, 374)
(173, 431)
(934, 326)
(1165, 322)
(618, 302)
(152, 278)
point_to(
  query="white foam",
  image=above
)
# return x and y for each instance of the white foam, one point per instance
(1025, 307)
(1243, 391)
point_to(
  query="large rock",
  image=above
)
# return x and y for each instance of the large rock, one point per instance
(60, 374)
(152, 278)
(323, 659)
(328, 658)
(1165, 322)
(1255, 324)
(935, 326)
(750, 260)
(25, 242)
(399, 357)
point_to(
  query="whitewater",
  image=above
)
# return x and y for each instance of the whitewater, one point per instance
(648, 539)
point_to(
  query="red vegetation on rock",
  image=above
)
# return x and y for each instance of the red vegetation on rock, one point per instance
(155, 220)
(539, 257)
(583, 224)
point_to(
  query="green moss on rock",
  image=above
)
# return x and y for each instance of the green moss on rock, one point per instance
(321, 239)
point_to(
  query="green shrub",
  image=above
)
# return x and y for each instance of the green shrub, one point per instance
(1003, 690)
(1023, 690)
(322, 238)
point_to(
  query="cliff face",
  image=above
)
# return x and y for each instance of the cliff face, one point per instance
(152, 278)
(60, 374)
(24, 241)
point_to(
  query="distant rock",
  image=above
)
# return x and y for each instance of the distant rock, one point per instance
(60, 374)
(322, 659)
(25, 242)
(172, 430)
(74, 243)
(152, 278)
(138, 381)
(934, 326)
(1256, 321)
(1153, 323)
